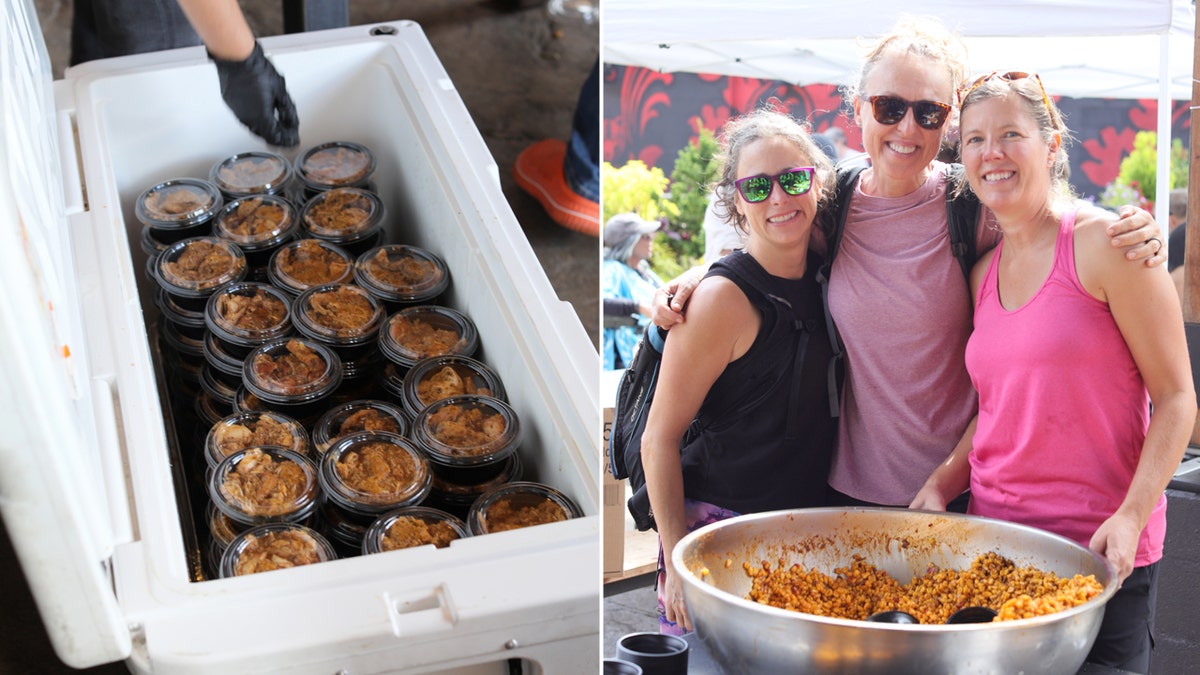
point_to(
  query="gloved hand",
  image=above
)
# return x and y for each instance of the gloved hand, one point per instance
(256, 93)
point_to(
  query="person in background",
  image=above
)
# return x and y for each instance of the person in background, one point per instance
(565, 177)
(627, 285)
(721, 236)
(838, 138)
(1071, 347)
(706, 455)
(825, 145)
(250, 85)
(896, 292)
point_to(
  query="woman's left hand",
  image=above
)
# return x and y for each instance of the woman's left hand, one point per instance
(1117, 540)
(1140, 235)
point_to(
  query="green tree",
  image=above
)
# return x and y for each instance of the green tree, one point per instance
(695, 170)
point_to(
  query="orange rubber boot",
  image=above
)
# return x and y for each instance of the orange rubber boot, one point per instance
(538, 170)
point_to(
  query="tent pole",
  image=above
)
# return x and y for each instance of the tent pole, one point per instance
(1162, 185)
(1191, 283)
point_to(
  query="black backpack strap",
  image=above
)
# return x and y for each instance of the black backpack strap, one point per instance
(741, 265)
(833, 226)
(962, 216)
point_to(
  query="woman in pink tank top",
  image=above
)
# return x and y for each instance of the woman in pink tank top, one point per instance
(1070, 347)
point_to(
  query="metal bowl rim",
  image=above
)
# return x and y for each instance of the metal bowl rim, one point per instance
(1110, 588)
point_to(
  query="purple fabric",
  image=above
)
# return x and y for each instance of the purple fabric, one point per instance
(698, 514)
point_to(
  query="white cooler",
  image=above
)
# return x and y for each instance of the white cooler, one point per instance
(86, 479)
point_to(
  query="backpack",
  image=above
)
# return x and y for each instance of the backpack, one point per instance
(962, 214)
(635, 393)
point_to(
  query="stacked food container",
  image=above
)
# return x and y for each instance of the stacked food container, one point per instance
(144, 413)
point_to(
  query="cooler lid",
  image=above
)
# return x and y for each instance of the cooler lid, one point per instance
(52, 494)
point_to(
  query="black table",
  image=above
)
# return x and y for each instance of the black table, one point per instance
(701, 662)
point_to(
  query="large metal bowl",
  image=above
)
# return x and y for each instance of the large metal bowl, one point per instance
(746, 637)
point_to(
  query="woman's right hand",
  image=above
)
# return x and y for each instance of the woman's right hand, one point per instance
(928, 499)
(673, 604)
(669, 300)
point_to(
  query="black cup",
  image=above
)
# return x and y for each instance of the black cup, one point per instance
(655, 653)
(619, 667)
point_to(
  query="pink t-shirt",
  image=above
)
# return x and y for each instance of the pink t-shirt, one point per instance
(903, 309)
(1063, 410)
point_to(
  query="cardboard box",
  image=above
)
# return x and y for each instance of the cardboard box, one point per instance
(613, 513)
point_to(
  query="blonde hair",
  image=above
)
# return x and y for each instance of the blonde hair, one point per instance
(926, 37)
(1040, 107)
(740, 132)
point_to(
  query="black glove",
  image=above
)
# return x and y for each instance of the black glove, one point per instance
(256, 93)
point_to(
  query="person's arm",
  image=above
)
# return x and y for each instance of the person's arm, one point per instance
(696, 353)
(1146, 308)
(670, 300)
(1135, 231)
(250, 85)
(950, 479)
(221, 26)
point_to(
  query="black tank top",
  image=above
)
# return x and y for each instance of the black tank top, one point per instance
(777, 454)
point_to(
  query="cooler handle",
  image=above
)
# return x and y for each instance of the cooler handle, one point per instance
(420, 612)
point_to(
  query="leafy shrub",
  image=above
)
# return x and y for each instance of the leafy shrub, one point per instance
(1138, 175)
(636, 188)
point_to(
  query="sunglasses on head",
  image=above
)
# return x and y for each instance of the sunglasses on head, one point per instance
(795, 182)
(890, 110)
(1007, 77)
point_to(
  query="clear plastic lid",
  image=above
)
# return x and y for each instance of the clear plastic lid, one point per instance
(219, 386)
(150, 243)
(402, 273)
(248, 313)
(519, 504)
(355, 416)
(335, 164)
(338, 314)
(413, 526)
(257, 222)
(274, 546)
(292, 370)
(226, 363)
(439, 377)
(245, 401)
(178, 203)
(222, 529)
(265, 484)
(416, 333)
(208, 409)
(342, 215)
(183, 342)
(370, 472)
(197, 266)
(174, 312)
(467, 430)
(461, 485)
(301, 264)
(249, 173)
(250, 428)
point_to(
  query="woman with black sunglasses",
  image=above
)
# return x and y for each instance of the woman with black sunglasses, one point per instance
(1071, 345)
(740, 418)
(896, 292)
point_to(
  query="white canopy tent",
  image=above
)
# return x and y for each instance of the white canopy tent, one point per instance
(1082, 48)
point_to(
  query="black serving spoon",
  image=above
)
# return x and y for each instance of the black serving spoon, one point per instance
(972, 615)
(892, 616)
